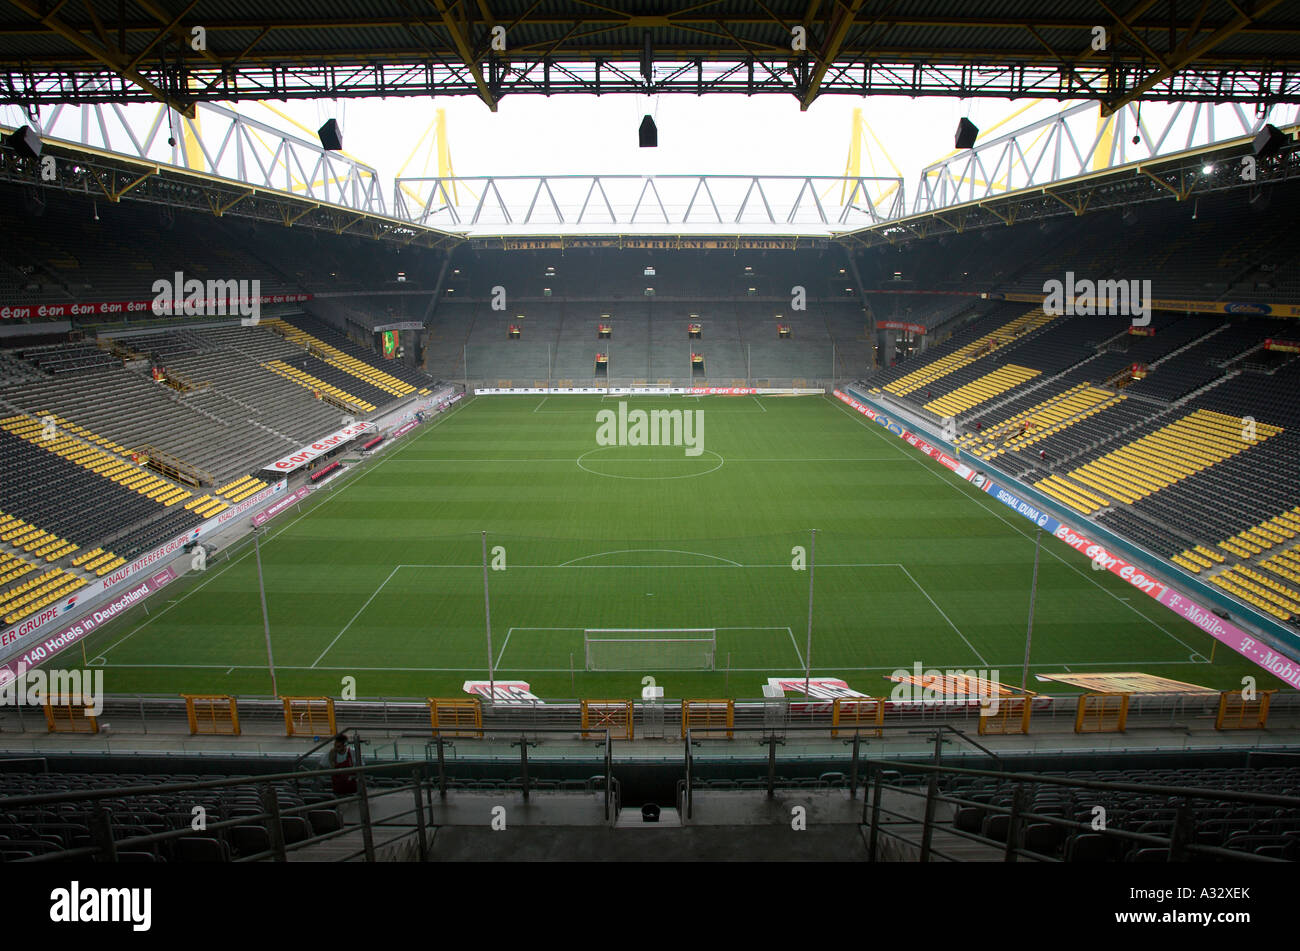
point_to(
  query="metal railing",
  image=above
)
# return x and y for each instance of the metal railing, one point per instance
(881, 822)
(1053, 713)
(1179, 843)
(427, 777)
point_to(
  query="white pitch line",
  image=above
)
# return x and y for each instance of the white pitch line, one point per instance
(372, 597)
(554, 670)
(783, 564)
(583, 412)
(501, 653)
(1016, 528)
(569, 460)
(759, 402)
(798, 653)
(636, 551)
(270, 538)
(539, 405)
(945, 616)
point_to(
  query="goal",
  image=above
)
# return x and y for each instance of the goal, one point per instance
(636, 648)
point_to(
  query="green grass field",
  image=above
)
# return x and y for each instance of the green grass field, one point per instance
(380, 577)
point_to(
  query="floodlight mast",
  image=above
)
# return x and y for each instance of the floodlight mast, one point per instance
(487, 621)
(807, 658)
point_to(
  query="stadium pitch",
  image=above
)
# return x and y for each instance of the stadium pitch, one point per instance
(380, 577)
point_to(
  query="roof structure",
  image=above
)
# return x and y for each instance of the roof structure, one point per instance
(186, 51)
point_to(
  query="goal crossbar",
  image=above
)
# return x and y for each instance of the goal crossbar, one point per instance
(639, 648)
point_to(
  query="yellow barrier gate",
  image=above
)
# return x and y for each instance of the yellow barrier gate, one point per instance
(456, 716)
(309, 716)
(706, 718)
(68, 715)
(613, 715)
(212, 714)
(1101, 713)
(1009, 718)
(853, 713)
(1236, 713)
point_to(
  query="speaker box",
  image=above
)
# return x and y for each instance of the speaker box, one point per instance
(966, 133)
(647, 58)
(331, 136)
(649, 135)
(26, 142)
(1269, 141)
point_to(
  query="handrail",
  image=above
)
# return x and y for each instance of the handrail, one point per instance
(1195, 792)
(1069, 824)
(1019, 816)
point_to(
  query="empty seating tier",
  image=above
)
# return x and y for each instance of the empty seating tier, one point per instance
(1162, 458)
(79, 493)
(1039, 421)
(346, 362)
(981, 390)
(317, 385)
(982, 346)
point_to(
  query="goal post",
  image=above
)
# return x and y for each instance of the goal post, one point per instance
(635, 648)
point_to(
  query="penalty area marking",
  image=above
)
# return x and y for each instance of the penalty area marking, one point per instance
(1011, 665)
(978, 500)
(728, 564)
(798, 653)
(314, 506)
(629, 551)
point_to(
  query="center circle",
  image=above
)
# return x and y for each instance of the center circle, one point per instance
(630, 462)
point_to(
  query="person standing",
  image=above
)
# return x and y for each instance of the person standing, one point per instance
(338, 756)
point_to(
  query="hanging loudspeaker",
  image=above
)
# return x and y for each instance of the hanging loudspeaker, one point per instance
(649, 134)
(26, 142)
(966, 133)
(331, 136)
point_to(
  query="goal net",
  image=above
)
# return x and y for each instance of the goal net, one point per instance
(617, 648)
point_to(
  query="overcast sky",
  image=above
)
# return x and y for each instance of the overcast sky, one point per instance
(723, 134)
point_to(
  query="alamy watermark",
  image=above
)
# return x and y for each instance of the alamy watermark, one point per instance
(38, 686)
(919, 685)
(84, 904)
(1087, 298)
(656, 427)
(194, 298)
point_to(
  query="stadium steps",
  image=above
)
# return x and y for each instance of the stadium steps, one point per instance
(289, 440)
(179, 400)
(1217, 381)
(1187, 346)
